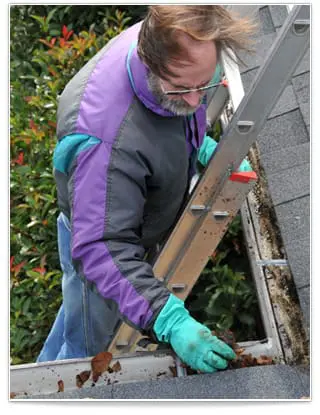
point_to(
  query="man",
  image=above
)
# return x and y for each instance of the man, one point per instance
(130, 126)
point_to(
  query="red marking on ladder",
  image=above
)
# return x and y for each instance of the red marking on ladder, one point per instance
(225, 83)
(243, 176)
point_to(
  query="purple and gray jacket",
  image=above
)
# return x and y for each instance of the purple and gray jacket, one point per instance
(122, 167)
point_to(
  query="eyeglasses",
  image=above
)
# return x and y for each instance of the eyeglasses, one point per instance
(224, 82)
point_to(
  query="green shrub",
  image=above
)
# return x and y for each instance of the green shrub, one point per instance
(35, 293)
(224, 297)
(30, 22)
(34, 301)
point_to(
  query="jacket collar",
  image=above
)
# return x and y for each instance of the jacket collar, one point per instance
(138, 74)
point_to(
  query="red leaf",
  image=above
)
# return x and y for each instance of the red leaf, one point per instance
(41, 270)
(62, 42)
(53, 41)
(17, 268)
(100, 364)
(52, 124)
(19, 159)
(60, 386)
(116, 367)
(69, 34)
(32, 125)
(82, 378)
(52, 71)
(64, 31)
(264, 360)
(45, 42)
(11, 263)
(213, 255)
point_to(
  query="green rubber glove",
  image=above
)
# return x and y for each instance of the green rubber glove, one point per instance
(191, 340)
(206, 150)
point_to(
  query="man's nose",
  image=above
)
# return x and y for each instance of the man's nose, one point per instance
(192, 98)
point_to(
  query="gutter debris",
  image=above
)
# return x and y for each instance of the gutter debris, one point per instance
(279, 279)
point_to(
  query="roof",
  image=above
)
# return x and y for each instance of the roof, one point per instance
(284, 145)
(258, 382)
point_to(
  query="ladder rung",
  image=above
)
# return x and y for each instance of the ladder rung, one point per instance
(244, 127)
(220, 214)
(301, 25)
(199, 209)
(122, 343)
(272, 262)
(178, 287)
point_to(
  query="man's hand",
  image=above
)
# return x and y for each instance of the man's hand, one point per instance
(191, 340)
(196, 347)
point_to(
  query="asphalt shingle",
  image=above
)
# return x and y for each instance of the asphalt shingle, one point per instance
(289, 184)
(305, 111)
(283, 132)
(295, 219)
(156, 389)
(298, 253)
(266, 22)
(262, 47)
(304, 298)
(287, 101)
(278, 14)
(247, 78)
(286, 158)
(259, 382)
(301, 85)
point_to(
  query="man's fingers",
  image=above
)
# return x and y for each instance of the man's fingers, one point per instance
(216, 361)
(204, 367)
(222, 348)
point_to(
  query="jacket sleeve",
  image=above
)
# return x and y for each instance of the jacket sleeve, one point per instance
(207, 149)
(107, 206)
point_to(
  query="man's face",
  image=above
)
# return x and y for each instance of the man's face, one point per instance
(194, 72)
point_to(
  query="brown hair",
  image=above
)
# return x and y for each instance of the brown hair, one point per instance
(158, 42)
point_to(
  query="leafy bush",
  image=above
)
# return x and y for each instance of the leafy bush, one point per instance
(224, 297)
(35, 272)
(29, 22)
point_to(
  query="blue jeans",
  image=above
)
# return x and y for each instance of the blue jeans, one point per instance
(86, 322)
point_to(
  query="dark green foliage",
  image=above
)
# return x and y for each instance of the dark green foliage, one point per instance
(224, 297)
(39, 73)
(29, 23)
(34, 301)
